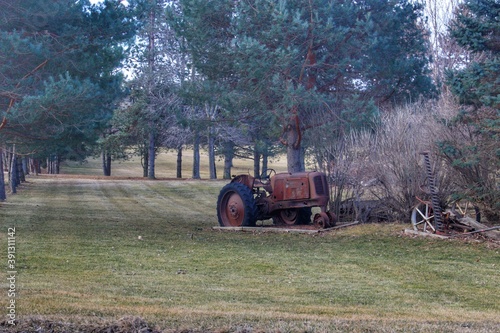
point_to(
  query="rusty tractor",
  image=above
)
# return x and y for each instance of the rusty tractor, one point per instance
(286, 198)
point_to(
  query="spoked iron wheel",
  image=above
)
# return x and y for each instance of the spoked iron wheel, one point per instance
(422, 217)
(236, 206)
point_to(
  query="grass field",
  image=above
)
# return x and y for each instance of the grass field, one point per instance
(92, 251)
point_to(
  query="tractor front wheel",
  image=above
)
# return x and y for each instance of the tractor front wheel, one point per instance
(236, 206)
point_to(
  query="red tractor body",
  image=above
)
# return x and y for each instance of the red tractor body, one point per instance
(287, 198)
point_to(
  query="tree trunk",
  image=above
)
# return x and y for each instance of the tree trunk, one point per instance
(151, 67)
(145, 161)
(302, 158)
(294, 159)
(8, 164)
(13, 172)
(3, 195)
(196, 156)
(152, 155)
(179, 162)
(256, 162)
(32, 163)
(25, 163)
(106, 163)
(211, 154)
(228, 159)
(265, 159)
(57, 162)
(293, 142)
(36, 166)
(53, 164)
(20, 170)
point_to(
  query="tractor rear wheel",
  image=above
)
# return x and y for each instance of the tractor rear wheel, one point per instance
(236, 206)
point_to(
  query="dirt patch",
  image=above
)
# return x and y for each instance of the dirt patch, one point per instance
(139, 325)
(123, 325)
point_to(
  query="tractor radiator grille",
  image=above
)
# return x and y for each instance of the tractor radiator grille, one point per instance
(319, 184)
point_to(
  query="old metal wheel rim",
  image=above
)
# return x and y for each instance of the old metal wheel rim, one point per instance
(321, 220)
(233, 209)
(289, 216)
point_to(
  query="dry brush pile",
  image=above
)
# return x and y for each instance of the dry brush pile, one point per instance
(377, 174)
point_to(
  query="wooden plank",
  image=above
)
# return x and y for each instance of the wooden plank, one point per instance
(266, 229)
(423, 234)
(340, 226)
(284, 230)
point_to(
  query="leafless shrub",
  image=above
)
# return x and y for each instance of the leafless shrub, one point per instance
(378, 174)
(397, 162)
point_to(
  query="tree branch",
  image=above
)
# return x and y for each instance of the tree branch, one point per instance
(13, 99)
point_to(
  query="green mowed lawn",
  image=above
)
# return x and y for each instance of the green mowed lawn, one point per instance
(93, 249)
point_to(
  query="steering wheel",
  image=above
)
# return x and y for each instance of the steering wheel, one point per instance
(265, 177)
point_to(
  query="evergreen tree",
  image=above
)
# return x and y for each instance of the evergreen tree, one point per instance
(477, 156)
(59, 73)
(159, 70)
(309, 62)
(205, 90)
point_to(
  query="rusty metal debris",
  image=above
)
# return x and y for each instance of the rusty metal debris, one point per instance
(462, 218)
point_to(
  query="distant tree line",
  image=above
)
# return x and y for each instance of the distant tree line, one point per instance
(255, 78)
(246, 78)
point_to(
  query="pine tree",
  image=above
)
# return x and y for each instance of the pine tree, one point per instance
(477, 157)
(59, 71)
(307, 63)
(159, 70)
